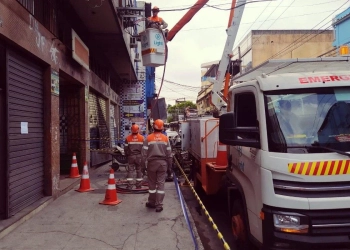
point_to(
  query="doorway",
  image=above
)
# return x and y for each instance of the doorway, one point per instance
(69, 124)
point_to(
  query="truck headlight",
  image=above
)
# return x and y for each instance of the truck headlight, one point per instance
(290, 223)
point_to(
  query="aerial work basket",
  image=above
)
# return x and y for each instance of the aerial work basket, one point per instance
(153, 47)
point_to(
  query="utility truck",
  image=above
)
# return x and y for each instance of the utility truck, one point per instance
(286, 125)
(288, 137)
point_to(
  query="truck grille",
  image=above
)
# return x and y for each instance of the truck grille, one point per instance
(329, 222)
(312, 189)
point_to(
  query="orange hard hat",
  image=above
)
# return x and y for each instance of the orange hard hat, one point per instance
(158, 124)
(134, 128)
(155, 8)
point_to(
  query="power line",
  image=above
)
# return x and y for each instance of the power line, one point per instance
(254, 7)
(286, 49)
(178, 84)
(214, 6)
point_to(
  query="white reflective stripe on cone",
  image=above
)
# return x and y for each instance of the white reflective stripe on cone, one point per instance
(160, 192)
(111, 176)
(152, 191)
(85, 176)
(74, 157)
(111, 186)
(139, 179)
(222, 147)
(74, 165)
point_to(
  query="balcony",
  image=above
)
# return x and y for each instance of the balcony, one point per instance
(106, 34)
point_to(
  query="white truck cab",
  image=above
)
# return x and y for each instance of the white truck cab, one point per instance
(288, 137)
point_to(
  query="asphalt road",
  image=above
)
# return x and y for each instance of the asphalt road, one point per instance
(216, 205)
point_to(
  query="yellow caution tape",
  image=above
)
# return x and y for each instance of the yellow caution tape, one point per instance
(226, 246)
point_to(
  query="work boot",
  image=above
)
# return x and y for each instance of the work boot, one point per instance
(149, 205)
(159, 209)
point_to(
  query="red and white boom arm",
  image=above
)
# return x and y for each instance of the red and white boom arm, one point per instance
(237, 8)
(216, 95)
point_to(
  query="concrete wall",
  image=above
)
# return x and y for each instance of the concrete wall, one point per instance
(22, 32)
(293, 44)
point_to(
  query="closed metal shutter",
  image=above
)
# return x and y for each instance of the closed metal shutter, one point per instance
(26, 150)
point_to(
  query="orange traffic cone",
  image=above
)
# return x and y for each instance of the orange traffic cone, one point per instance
(74, 171)
(111, 191)
(221, 156)
(85, 181)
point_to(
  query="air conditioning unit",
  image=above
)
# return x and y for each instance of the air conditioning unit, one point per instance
(133, 43)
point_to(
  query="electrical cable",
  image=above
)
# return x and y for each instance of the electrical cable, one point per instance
(305, 36)
(213, 6)
(184, 210)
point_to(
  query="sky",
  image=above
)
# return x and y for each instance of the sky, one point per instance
(203, 38)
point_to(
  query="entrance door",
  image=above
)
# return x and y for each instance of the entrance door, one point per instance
(69, 125)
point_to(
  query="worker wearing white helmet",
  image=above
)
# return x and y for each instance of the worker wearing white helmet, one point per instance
(155, 21)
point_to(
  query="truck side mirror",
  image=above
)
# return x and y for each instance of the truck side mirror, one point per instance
(230, 134)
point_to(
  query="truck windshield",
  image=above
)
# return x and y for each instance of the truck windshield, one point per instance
(308, 121)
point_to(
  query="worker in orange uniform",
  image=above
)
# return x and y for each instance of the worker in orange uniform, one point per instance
(132, 149)
(157, 152)
(155, 21)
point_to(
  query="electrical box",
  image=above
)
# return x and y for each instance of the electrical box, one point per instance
(153, 47)
(204, 137)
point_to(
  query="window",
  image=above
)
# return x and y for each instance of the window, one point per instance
(245, 110)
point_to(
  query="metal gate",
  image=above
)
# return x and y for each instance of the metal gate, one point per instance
(98, 122)
(99, 134)
(25, 132)
(69, 126)
(113, 126)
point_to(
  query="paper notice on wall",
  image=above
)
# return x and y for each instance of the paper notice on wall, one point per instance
(24, 127)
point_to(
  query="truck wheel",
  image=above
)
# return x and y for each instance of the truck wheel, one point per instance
(239, 225)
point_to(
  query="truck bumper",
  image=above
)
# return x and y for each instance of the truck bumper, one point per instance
(335, 236)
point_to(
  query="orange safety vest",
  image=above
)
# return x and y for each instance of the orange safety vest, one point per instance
(155, 19)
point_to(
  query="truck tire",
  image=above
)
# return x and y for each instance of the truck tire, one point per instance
(239, 226)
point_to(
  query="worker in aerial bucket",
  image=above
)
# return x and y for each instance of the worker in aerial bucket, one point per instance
(132, 149)
(156, 22)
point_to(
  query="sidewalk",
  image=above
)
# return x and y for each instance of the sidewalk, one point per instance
(77, 221)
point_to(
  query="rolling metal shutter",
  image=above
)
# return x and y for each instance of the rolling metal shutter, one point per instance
(25, 150)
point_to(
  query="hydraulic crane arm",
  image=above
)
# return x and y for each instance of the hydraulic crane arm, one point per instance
(236, 16)
(237, 8)
(186, 18)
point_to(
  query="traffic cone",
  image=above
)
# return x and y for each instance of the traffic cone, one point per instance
(85, 181)
(221, 156)
(74, 171)
(111, 191)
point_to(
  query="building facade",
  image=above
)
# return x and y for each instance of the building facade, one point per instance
(63, 65)
(261, 45)
(341, 24)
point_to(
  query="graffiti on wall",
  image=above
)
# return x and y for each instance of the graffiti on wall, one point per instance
(44, 46)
